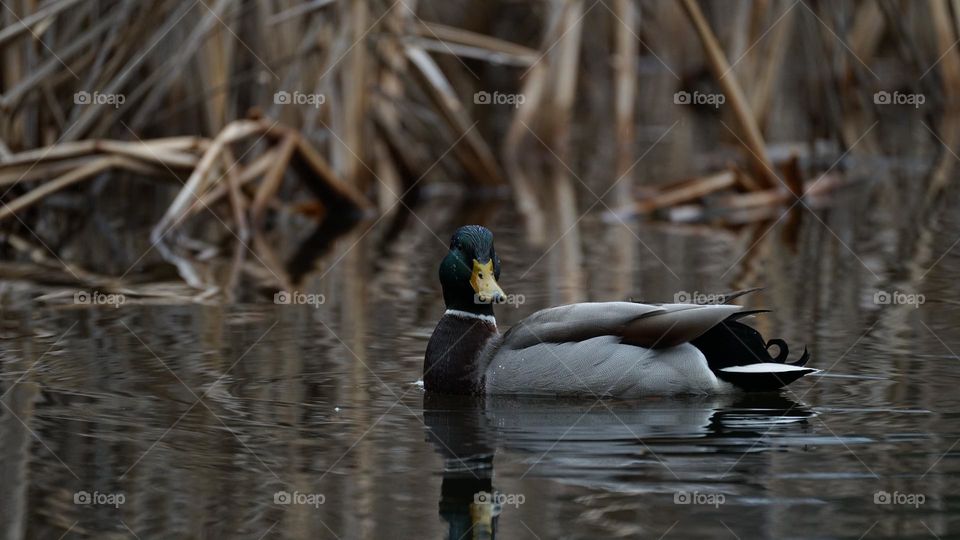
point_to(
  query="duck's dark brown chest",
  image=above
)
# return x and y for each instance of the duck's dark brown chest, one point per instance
(452, 363)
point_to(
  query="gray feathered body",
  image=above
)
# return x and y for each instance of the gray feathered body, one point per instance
(599, 349)
(602, 366)
(619, 349)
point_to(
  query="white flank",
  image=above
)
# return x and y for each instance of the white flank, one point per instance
(767, 367)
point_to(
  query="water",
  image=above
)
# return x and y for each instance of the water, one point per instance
(202, 418)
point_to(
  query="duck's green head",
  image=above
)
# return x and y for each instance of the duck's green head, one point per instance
(470, 271)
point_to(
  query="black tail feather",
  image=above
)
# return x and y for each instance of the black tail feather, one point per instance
(732, 344)
(782, 347)
(746, 313)
(803, 358)
(726, 298)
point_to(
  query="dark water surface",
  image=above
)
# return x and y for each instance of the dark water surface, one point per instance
(201, 417)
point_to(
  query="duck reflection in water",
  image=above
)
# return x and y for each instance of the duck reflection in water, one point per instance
(467, 431)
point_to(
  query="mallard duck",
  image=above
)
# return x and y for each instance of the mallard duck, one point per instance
(601, 349)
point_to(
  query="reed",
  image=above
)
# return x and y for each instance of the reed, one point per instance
(372, 99)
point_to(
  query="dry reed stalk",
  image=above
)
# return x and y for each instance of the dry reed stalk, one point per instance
(867, 29)
(238, 203)
(272, 179)
(949, 65)
(444, 39)
(50, 153)
(79, 174)
(87, 116)
(389, 184)
(29, 172)
(324, 180)
(793, 176)
(564, 71)
(396, 146)
(755, 216)
(768, 72)
(197, 184)
(245, 175)
(44, 15)
(528, 204)
(145, 160)
(104, 61)
(119, 43)
(156, 85)
(950, 68)
(767, 197)
(464, 51)
(393, 161)
(625, 94)
(472, 150)
(744, 42)
(736, 24)
(955, 4)
(45, 72)
(757, 152)
(812, 188)
(688, 191)
(199, 192)
(235, 270)
(268, 258)
(297, 10)
(354, 95)
(217, 57)
(156, 150)
(145, 151)
(758, 14)
(537, 91)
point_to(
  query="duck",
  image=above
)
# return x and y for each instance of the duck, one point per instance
(615, 349)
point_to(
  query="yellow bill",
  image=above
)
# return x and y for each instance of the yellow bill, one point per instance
(484, 284)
